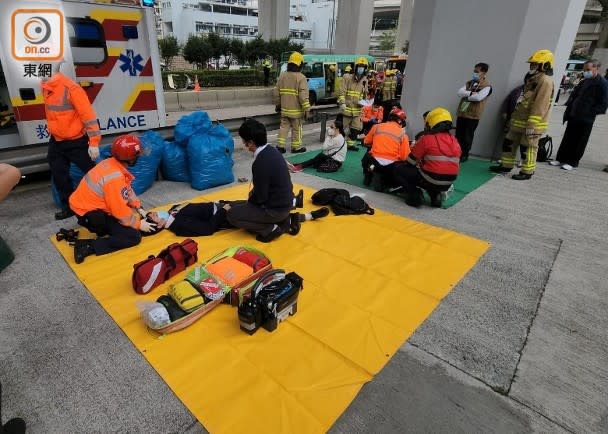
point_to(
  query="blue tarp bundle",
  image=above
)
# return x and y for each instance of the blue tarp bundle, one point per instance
(174, 165)
(210, 158)
(189, 125)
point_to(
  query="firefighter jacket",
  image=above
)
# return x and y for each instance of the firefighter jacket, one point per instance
(389, 84)
(369, 112)
(534, 105)
(69, 112)
(388, 141)
(351, 92)
(438, 158)
(471, 106)
(291, 93)
(107, 187)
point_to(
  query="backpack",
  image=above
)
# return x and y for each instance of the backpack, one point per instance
(341, 202)
(545, 149)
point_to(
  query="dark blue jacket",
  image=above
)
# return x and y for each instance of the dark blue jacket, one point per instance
(588, 99)
(272, 187)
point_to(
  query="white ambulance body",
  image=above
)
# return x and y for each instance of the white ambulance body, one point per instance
(109, 47)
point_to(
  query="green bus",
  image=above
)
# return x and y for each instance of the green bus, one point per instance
(323, 80)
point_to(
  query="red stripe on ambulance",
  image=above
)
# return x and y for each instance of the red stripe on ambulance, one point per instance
(146, 100)
(101, 70)
(31, 112)
(113, 29)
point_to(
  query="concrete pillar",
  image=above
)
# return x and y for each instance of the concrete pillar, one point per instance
(353, 27)
(406, 14)
(449, 37)
(273, 19)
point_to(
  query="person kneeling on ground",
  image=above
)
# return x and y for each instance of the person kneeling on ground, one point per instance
(434, 162)
(333, 154)
(389, 144)
(372, 114)
(106, 205)
(266, 212)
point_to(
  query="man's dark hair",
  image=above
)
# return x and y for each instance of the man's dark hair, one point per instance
(292, 67)
(483, 67)
(253, 130)
(339, 122)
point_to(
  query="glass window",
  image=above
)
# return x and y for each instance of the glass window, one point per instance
(87, 41)
(313, 70)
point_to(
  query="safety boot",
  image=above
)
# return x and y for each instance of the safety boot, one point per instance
(500, 169)
(64, 214)
(435, 198)
(352, 148)
(82, 249)
(522, 176)
(415, 200)
(298, 150)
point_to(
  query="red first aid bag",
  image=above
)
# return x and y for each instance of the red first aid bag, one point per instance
(151, 272)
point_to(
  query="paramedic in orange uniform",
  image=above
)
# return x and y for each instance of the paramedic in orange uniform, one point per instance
(105, 203)
(75, 134)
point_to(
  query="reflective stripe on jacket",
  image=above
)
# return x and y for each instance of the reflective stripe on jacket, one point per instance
(291, 93)
(388, 141)
(107, 187)
(437, 153)
(534, 105)
(69, 112)
(351, 92)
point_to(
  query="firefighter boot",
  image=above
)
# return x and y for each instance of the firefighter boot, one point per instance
(500, 169)
(522, 176)
(82, 249)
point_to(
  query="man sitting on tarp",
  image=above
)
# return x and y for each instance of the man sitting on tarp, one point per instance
(106, 205)
(434, 162)
(389, 144)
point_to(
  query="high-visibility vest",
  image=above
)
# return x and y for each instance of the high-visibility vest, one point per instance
(388, 141)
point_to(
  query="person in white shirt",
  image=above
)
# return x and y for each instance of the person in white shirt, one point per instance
(333, 152)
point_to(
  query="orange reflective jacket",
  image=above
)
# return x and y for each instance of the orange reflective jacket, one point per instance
(107, 187)
(388, 141)
(69, 112)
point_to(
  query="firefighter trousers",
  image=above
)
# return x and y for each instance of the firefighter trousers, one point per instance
(293, 124)
(529, 146)
(354, 125)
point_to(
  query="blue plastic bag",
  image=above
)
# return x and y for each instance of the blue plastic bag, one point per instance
(174, 165)
(210, 158)
(147, 165)
(189, 125)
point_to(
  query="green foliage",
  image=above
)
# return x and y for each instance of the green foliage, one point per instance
(387, 40)
(254, 50)
(197, 50)
(216, 78)
(169, 48)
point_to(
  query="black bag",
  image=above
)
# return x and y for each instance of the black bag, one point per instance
(545, 149)
(341, 202)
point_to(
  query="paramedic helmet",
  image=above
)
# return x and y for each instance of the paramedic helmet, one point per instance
(127, 148)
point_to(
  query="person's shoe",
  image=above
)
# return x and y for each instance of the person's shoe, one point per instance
(464, 158)
(367, 178)
(377, 181)
(352, 148)
(294, 223)
(295, 168)
(522, 176)
(300, 199)
(554, 163)
(500, 169)
(567, 167)
(82, 249)
(64, 214)
(320, 213)
(435, 199)
(298, 150)
(14, 426)
(276, 233)
(415, 200)
(281, 149)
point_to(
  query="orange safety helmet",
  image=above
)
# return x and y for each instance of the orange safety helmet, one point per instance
(396, 111)
(126, 147)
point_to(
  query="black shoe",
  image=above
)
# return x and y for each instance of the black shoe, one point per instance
(367, 178)
(276, 233)
(377, 181)
(294, 223)
(352, 148)
(281, 149)
(13, 426)
(522, 176)
(64, 214)
(319, 213)
(464, 158)
(300, 199)
(435, 199)
(82, 249)
(500, 169)
(298, 150)
(414, 200)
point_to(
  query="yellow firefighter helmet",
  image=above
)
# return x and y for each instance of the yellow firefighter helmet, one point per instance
(437, 115)
(543, 57)
(296, 58)
(348, 68)
(362, 61)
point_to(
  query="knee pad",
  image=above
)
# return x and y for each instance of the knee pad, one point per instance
(506, 145)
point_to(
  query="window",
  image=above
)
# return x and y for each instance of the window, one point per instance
(87, 41)
(205, 7)
(240, 30)
(223, 29)
(313, 70)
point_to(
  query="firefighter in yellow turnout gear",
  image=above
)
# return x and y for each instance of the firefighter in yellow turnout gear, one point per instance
(353, 89)
(291, 100)
(530, 118)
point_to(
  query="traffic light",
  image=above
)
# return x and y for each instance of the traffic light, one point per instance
(147, 3)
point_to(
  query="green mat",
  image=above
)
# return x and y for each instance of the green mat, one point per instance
(473, 174)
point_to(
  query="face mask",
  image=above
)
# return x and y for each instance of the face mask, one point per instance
(587, 74)
(533, 71)
(163, 214)
(331, 131)
(360, 70)
(475, 76)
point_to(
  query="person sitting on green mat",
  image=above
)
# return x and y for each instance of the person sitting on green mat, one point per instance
(333, 152)
(434, 162)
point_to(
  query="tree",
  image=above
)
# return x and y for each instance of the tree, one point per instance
(254, 49)
(197, 50)
(219, 47)
(169, 48)
(387, 40)
(236, 51)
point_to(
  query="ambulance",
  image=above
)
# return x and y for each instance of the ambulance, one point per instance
(109, 47)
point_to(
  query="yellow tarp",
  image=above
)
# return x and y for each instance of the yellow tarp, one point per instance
(369, 282)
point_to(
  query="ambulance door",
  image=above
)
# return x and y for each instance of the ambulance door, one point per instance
(114, 62)
(33, 45)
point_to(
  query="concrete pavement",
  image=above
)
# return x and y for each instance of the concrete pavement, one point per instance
(519, 345)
